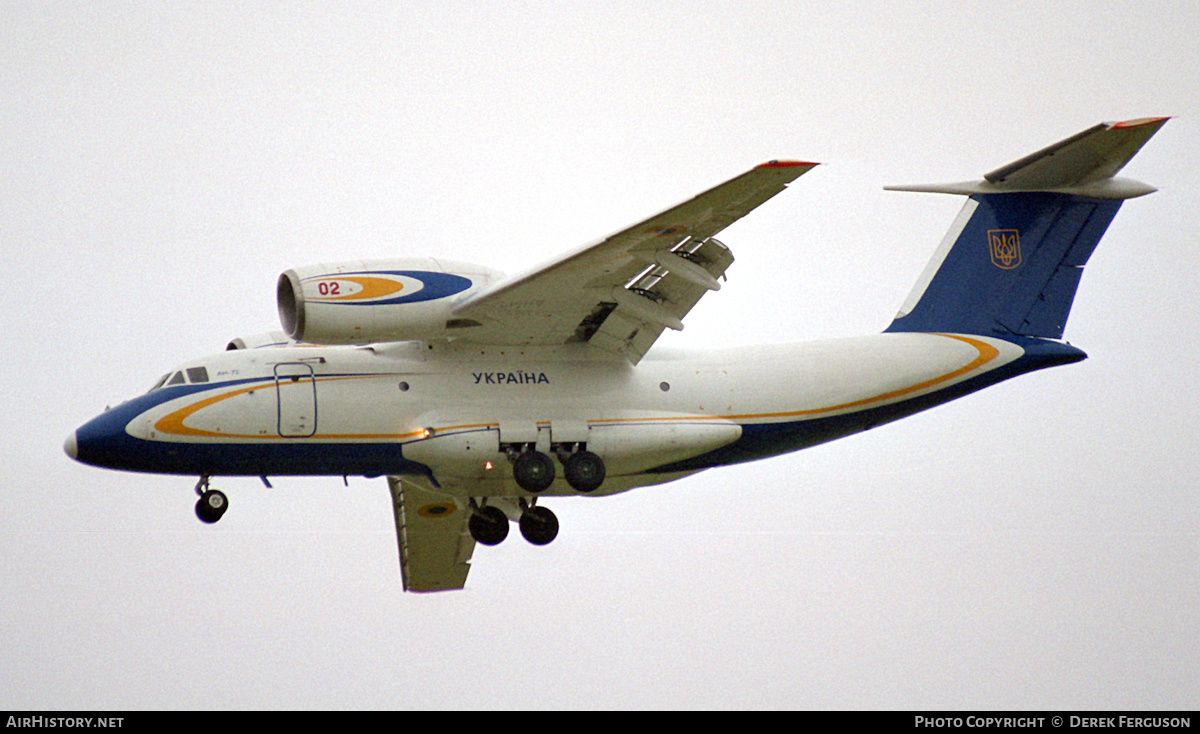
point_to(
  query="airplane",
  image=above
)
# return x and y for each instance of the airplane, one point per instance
(477, 395)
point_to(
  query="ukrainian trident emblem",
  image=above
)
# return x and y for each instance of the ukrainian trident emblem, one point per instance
(1005, 247)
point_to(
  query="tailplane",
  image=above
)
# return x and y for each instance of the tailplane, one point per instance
(1012, 260)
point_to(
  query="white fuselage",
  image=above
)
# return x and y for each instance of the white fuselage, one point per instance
(447, 412)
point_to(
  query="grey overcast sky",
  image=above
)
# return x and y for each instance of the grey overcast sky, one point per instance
(1036, 545)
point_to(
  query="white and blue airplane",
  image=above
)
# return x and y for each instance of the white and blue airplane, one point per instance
(477, 395)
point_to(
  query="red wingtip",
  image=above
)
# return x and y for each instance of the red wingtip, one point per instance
(785, 164)
(1140, 121)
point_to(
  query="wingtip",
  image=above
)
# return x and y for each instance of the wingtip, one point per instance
(786, 164)
(1139, 122)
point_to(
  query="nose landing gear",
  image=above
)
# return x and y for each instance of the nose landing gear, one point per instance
(212, 503)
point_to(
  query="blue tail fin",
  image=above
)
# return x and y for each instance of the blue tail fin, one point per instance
(1011, 262)
(1012, 268)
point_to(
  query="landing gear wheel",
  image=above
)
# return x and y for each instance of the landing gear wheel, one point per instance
(539, 525)
(488, 525)
(211, 505)
(533, 470)
(584, 471)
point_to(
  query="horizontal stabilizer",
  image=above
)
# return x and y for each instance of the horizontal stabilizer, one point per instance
(1084, 164)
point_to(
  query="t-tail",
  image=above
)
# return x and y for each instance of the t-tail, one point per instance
(1012, 260)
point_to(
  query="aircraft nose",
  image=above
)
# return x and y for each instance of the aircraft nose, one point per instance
(71, 447)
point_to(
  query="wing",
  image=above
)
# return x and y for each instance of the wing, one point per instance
(620, 293)
(435, 546)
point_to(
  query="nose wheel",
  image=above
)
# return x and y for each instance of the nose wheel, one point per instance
(212, 503)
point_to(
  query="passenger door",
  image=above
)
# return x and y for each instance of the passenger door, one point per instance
(296, 391)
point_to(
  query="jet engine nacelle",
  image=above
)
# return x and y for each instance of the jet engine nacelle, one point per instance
(259, 341)
(364, 301)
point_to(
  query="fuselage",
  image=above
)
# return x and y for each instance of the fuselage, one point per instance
(442, 410)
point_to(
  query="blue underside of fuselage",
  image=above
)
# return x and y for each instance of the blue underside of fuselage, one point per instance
(232, 459)
(104, 441)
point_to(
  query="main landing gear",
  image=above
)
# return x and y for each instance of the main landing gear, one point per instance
(212, 503)
(538, 524)
(583, 470)
(488, 524)
(534, 471)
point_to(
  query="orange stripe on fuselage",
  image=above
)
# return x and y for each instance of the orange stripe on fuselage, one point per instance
(986, 354)
(173, 424)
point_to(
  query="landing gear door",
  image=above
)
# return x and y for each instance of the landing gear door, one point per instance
(297, 394)
(568, 431)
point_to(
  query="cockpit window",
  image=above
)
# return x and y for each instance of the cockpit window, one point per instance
(193, 375)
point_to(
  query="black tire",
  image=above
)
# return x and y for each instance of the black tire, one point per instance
(211, 506)
(584, 471)
(488, 525)
(539, 525)
(534, 471)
